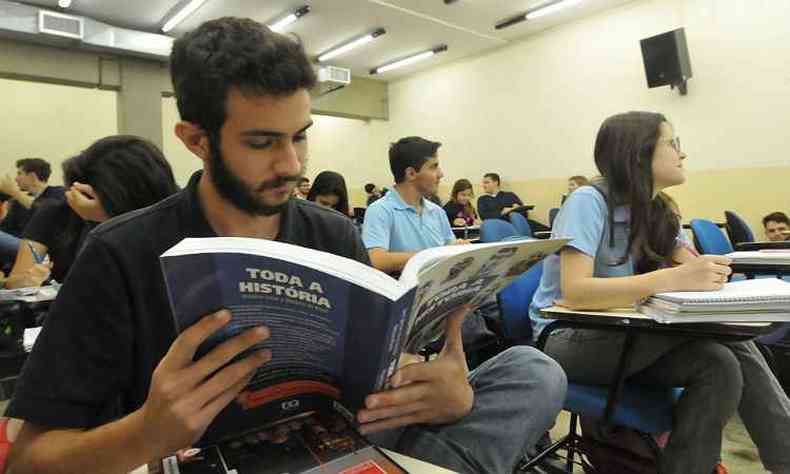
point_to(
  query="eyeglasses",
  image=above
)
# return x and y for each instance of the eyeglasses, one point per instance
(675, 143)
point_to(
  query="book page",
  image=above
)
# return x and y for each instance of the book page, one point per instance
(466, 275)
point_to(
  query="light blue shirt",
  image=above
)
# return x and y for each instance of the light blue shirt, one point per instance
(584, 218)
(395, 226)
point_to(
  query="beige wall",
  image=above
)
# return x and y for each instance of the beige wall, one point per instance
(530, 111)
(52, 122)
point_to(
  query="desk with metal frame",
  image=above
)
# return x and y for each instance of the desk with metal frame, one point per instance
(631, 323)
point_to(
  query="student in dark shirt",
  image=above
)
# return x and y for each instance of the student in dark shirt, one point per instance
(242, 93)
(329, 190)
(459, 209)
(29, 191)
(496, 204)
(113, 176)
(374, 194)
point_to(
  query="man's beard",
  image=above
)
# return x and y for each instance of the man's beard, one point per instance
(238, 193)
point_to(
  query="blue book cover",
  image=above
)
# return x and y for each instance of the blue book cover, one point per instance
(338, 327)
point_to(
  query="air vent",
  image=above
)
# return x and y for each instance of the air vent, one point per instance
(59, 24)
(337, 75)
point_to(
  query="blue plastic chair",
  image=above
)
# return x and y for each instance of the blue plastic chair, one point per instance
(709, 239)
(495, 230)
(514, 301)
(737, 229)
(521, 224)
(553, 215)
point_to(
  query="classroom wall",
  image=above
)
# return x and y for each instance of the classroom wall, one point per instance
(52, 122)
(530, 111)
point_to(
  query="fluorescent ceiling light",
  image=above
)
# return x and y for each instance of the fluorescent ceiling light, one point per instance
(64, 3)
(182, 14)
(283, 22)
(410, 60)
(543, 10)
(351, 45)
(551, 8)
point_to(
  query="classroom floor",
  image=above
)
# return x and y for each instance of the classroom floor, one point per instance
(739, 453)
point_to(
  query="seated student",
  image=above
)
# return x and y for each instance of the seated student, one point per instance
(574, 183)
(459, 209)
(115, 175)
(776, 226)
(627, 245)
(243, 96)
(373, 193)
(28, 190)
(495, 203)
(404, 221)
(302, 188)
(329, 190)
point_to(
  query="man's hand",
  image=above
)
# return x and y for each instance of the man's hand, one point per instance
(435, 392)
(34, 276)
(186, 396)
(9, 186)
(86, 203)
(508, 210)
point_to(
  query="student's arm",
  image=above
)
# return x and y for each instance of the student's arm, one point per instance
(517, 199)
(581, 290)
(389, 262)
(183, 400)
(435, 392)
(27, 272)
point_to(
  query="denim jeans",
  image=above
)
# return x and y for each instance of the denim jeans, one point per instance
(9, 245)
(518, 395)
(718, 377)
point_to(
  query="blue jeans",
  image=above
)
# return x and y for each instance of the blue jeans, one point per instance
(9, 245)
(518, 395)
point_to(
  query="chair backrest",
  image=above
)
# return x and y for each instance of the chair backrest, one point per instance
(494, 230)
(737, 228)
(521, 224)
(553, 215)
(514, 301)
(708, 238)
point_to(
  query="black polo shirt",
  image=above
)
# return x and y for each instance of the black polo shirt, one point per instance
(111, 323)
(490, 207)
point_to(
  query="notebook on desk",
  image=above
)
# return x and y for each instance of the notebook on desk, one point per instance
(764, 300)
(761, 257)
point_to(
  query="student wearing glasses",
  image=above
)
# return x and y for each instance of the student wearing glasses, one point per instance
(626, 245)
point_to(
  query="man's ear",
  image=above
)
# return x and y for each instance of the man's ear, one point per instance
(409, 174)
(194, 138)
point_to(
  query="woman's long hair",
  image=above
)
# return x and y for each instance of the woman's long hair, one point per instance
(623, 155)
(125, 171)
(460, 186)
(329, 182)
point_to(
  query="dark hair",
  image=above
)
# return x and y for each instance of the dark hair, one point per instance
(304, 179)
(369, 188)
(125, 171)
(329, 182)
(779, 217)
(579, 180)
(460, 186)
(493, 177)
(624, 157)
(410, 152)
(38, 166)
(228, 53)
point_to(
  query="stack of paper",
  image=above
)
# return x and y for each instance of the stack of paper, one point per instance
(761, 257)
(762, 300)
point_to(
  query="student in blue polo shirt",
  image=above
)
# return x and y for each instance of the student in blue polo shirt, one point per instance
(404, 221)
(627, 244)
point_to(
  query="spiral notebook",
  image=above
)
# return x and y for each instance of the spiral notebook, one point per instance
(766, 299)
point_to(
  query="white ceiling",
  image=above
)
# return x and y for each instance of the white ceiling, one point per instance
(413, 26)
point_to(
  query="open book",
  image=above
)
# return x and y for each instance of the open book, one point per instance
(338, 327)
(761, 300)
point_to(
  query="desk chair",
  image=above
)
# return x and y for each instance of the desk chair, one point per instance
(495, 230)
(521, 224)
(708, 238)
(553, 215)
(737, 229)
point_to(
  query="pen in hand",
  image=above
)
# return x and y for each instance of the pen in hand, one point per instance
(36, 257)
